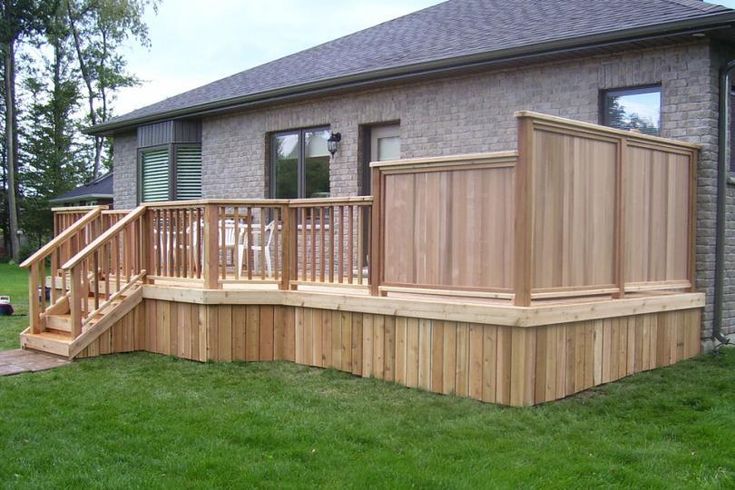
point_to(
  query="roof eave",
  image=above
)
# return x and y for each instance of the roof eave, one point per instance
(80, 197)
(713, 21)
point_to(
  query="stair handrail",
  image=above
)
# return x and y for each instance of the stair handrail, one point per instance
(35, 264)
(104, 260)
(104, 237)
(62, 237)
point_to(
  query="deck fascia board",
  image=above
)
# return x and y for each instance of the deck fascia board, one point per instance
(434, 309)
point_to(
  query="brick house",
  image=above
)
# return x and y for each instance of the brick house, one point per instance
(447, 80)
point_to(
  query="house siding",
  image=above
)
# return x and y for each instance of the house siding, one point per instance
(474, 113)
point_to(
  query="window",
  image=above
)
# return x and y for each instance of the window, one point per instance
(300, 164)
(385, 143)
(171, 172)
(154, 173)
(633, 108)
(188, 172)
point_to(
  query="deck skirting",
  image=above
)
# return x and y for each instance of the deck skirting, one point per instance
(521, 363)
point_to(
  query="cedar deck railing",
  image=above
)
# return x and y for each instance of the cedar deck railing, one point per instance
(105, 269)
(287, 243)
(71, 237)
(579, 210)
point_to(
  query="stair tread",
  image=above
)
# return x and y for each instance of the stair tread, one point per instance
(53, 335)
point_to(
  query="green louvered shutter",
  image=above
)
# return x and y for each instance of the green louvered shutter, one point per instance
(188, 172)
(155, 175)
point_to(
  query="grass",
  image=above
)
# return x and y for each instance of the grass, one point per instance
(13, 282)
(142, 420)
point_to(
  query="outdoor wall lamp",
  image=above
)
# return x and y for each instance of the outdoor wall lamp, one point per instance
(332, 143)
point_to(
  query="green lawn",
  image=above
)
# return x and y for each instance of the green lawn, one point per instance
(142, 420)
(13, 282)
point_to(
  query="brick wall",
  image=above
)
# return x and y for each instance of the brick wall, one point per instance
(125, 151)
(475, 113)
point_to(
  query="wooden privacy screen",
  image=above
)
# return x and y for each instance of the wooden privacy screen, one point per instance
(447, 223)
(581, 209)
(657, 214)
(601, 211)
(573, 190)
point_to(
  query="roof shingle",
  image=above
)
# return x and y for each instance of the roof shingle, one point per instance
(100, 187)
(452, 29)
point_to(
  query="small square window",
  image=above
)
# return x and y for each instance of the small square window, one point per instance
(170, 172)
(637, 108)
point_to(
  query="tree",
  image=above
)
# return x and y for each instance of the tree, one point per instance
(62, 64)
(18, 19)
(98, 29)
(51, 165)
(4, 225)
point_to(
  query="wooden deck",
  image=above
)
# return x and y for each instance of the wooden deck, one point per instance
(492, 352)
(516, 277)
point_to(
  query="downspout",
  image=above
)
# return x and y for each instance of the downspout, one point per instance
(723, 154)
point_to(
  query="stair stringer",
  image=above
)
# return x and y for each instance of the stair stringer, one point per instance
(90, 335)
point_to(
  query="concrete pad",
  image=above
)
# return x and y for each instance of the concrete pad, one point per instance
(9, 369)
(22, 361)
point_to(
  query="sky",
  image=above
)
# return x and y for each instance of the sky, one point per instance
(194, 42)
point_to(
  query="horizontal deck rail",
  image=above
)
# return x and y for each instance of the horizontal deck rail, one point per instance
(64, 217)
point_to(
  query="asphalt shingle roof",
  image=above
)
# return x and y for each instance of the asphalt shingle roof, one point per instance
(102, 186)
(452, 29)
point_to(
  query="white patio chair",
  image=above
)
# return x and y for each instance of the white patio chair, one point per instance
(257, 247)
(231, 241)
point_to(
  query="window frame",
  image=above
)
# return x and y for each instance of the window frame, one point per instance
(300, 163)
(171, 148)
(630, 90)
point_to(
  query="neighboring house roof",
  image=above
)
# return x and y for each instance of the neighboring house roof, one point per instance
(451, 32)
(100, 188)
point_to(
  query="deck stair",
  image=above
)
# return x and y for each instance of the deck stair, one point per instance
(95, 278)
(56, 337)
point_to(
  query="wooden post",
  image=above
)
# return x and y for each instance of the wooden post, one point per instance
(286, 248)
(523, 255)
(211, 247)
(75, 299)
(619, 247)
(145, 252)
(293, 247)
(376, 236)
(34, 310)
